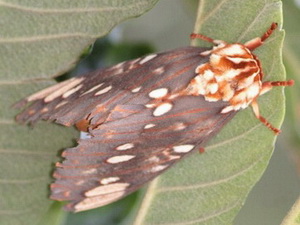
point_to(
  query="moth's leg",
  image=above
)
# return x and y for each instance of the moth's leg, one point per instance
(255, 108)
(267, 86)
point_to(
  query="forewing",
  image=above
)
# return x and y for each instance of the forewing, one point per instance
(124, 154)
(98, 92)
(139, 119)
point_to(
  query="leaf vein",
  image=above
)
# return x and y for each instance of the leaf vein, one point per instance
(209, 184)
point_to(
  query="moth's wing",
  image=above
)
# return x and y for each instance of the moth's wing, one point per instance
(123, 154)
(98, 92)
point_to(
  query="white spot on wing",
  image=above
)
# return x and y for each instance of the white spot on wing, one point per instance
(158, 168)
(72, 91)
(183, 148)
(227, 109)
(158, 93)
(109, 180)
(60, 91)
(93, 89)
(147, 58)
(159, 70)
(107, 189)
(97, 201)
(120, 158)
(103, 91)
(136, 89)
(90, 171)
(162, 109)
(149, 106)
(150, 125)
(61, 104)
(125, 146)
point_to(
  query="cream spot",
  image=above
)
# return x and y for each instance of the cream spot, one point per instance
(227, 109)
(253, 91)
(107, 189)
(44, 110)
(120, 158)
(103, 91)
(158, 168)
(72, 91)
(179, 126)
(147, 58)
(215, 59)
(61, 104)
(234, 49)
(125, 147)
(237, 60)
(136, 89)
(150, 125)
(150, 106)
(183, 148)
(212, 87)
(90, 171)
(211, 98)
(153, 159)
(93, 89)
(60, 91)
(158, 93)
(159, 70)
(133, 63)
(208, 75)
(97, 201)
(162, 109)
(109, 180)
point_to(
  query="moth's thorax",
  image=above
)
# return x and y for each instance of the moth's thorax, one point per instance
(232, 74)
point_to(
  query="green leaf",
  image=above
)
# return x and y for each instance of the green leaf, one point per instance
(39, 40)
(293, 217)
(212, 187)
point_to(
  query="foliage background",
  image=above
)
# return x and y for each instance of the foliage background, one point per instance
(272, 197)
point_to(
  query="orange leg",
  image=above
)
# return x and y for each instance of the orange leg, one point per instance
(262, 119)
(266, 86)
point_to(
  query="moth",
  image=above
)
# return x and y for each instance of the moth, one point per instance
(144, 115)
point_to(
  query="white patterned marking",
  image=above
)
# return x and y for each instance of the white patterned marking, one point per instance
(162, 109)
(107, 89)
(136, 89)
(58, 92)
(147, 58)
(72, 91)
(107, 189)
(109, 180)
(120, 158)
(183, 148)
(158, 168)
(159, 70)
(93, 89)
(60, 104)
(97, 201)
(89, 171)
(150, 125)
(125, 147)
(158, 93)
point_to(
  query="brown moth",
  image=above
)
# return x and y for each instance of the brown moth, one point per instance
(145, 114)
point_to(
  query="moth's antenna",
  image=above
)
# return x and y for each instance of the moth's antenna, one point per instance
(256, 42)
(205, 38)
